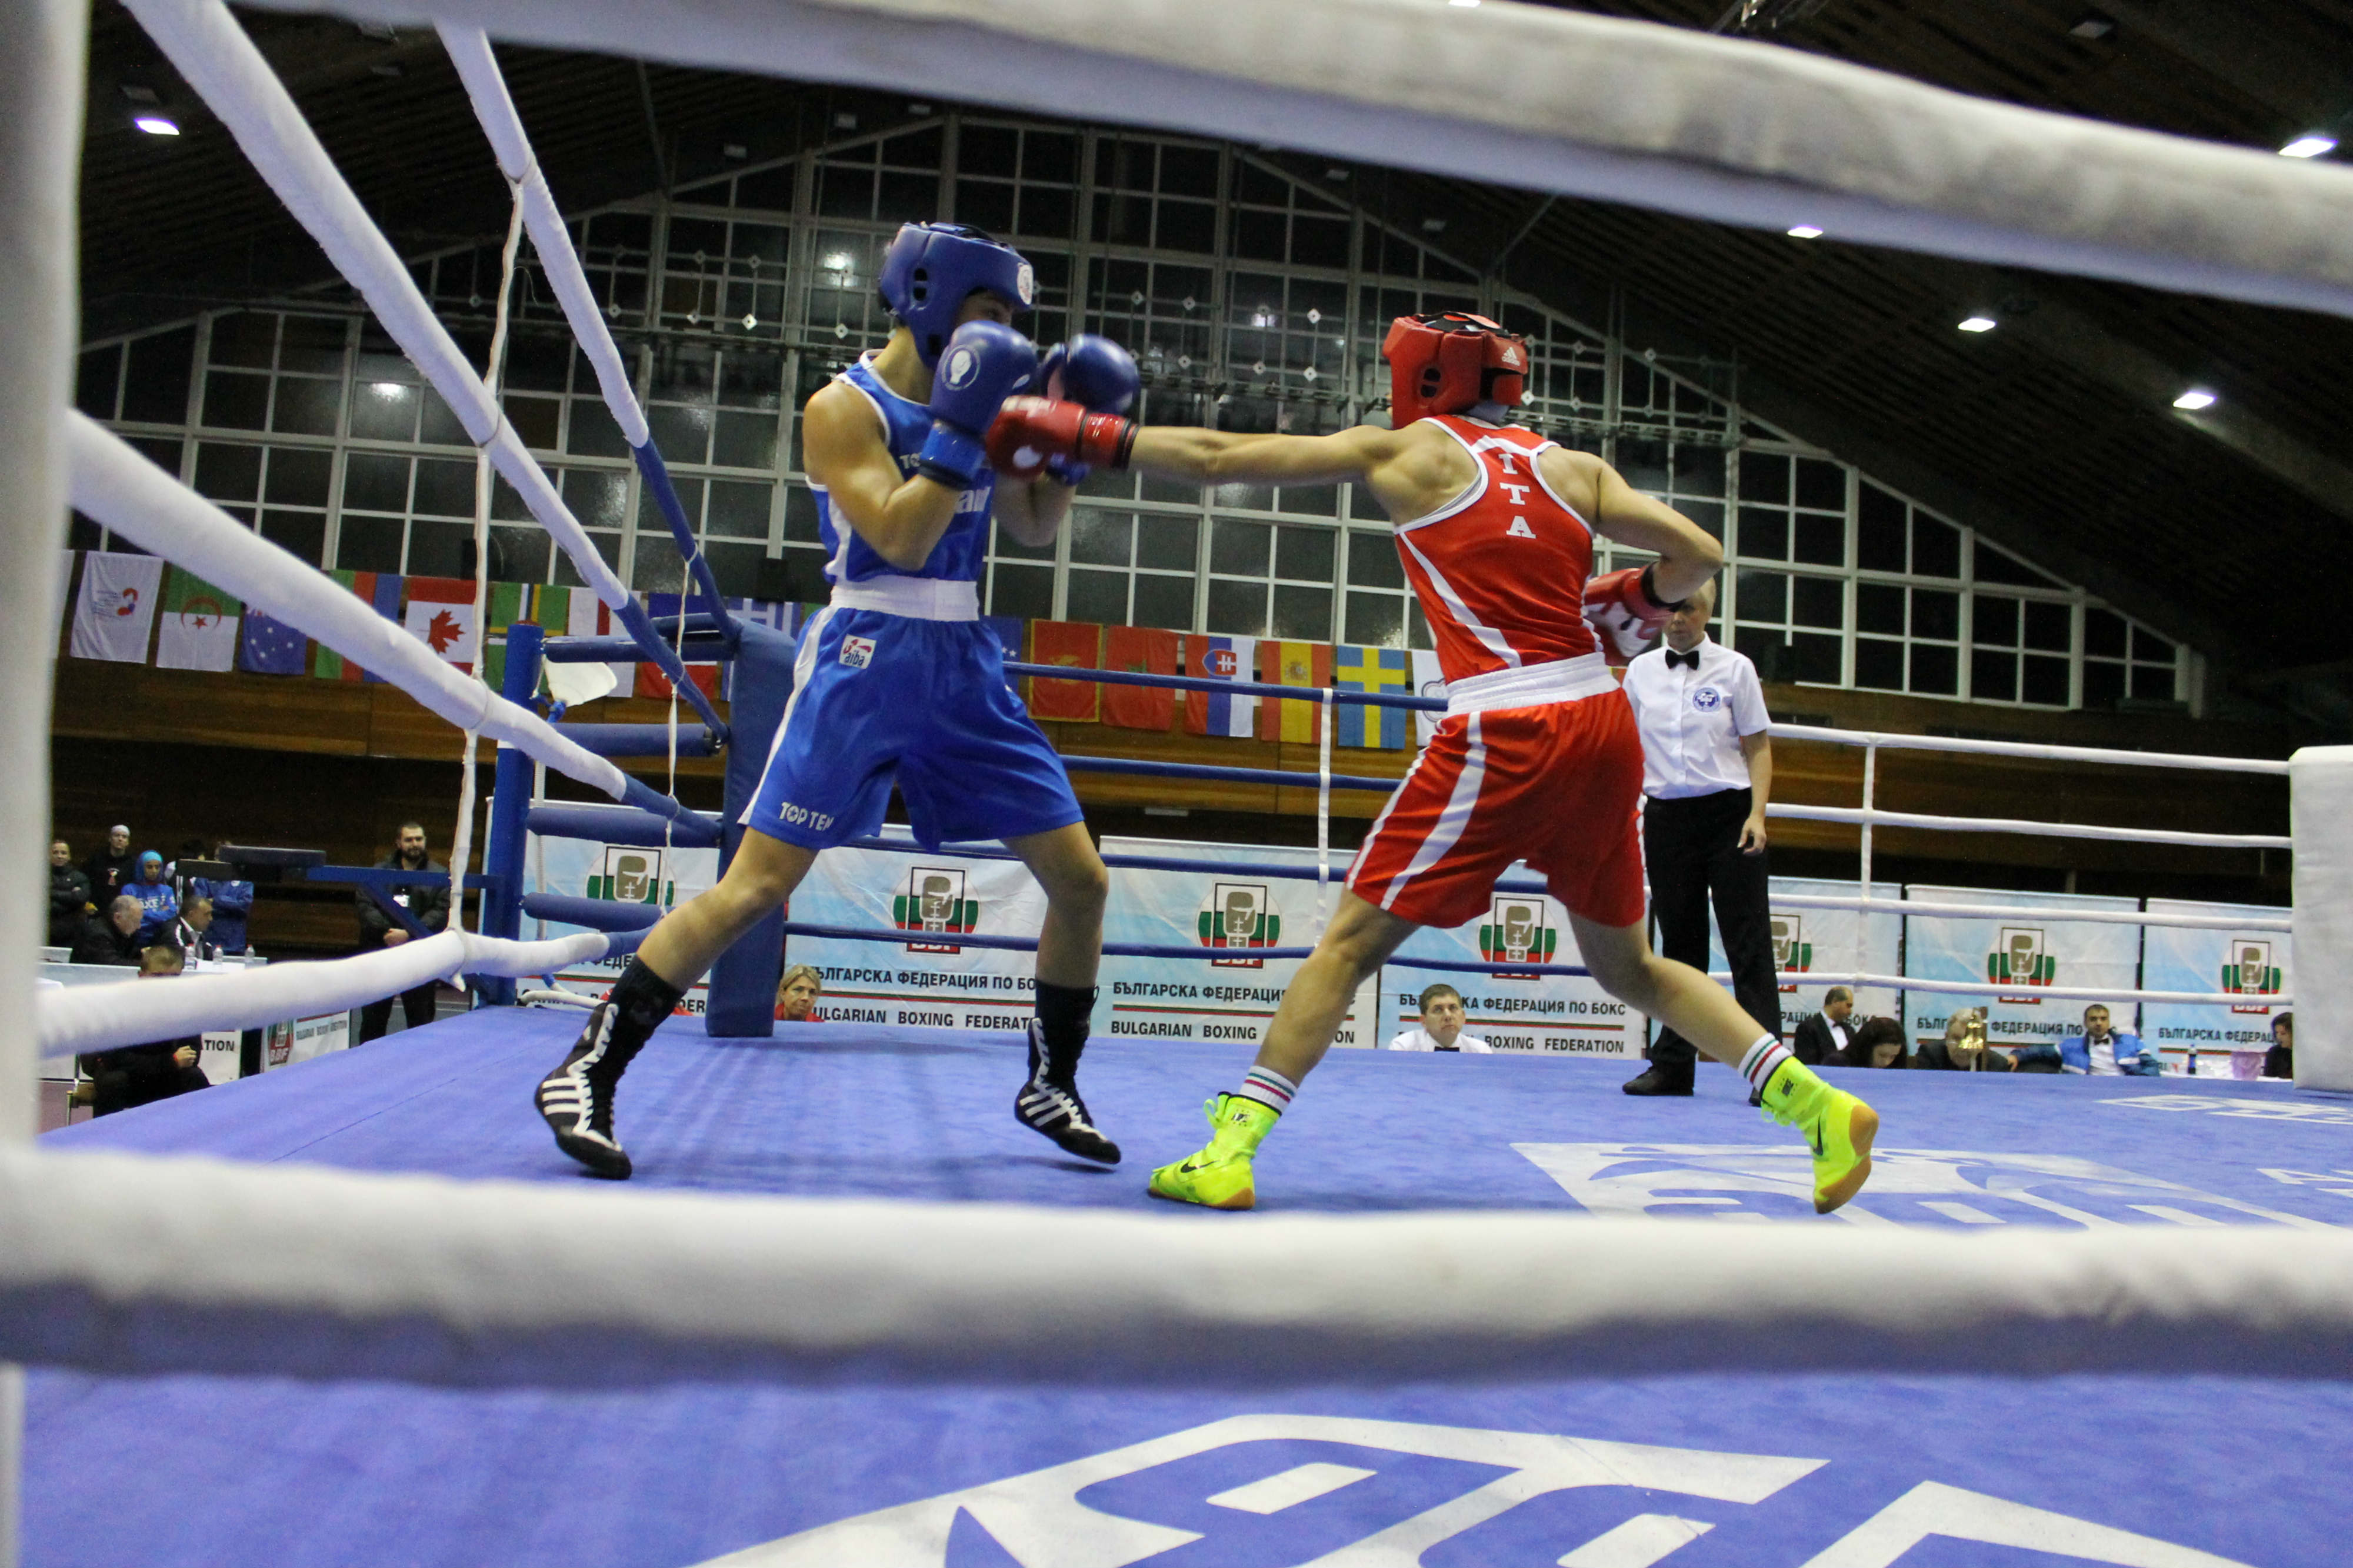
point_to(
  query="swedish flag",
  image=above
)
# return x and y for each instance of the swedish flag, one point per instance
(1386, 671)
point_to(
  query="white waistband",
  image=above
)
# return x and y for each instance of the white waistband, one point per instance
(917, 598)
(1531, 686)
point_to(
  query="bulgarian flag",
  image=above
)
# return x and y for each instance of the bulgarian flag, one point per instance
(441, 616)
(1306, 664)
(381, 590)
(1217, 712)
(1386, 671)
(199, 625)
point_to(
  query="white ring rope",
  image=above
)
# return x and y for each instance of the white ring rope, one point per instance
(114, 484)
(2031, 828)
(1996, 988)
(2008, 912)
(125, 1263)
(77, 1018)
(1547, 99)
(2086, 756)
(208, 47)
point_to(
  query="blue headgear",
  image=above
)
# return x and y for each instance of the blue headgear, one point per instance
(932, 269)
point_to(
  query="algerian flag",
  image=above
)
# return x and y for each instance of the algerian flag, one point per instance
(199, 626)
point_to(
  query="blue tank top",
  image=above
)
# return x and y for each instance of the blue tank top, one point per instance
(962, 549)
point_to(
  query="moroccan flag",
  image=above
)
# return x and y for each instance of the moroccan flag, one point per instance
(269, 647)
(1307, 664)
(1140, 650)
(441, 616)
(1216, 712)
(1384, 671)
(199, 625)
(117, 609)
(1078, 643)
(1427, 682)
(381, 590)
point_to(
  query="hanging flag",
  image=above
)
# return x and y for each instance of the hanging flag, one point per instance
(441, 616)
(1307, 664)
(199, 630)
(1218, 713)
(1427, 682)
(268, 646)
(589, 617)
(651, 681)
(508, 603)
(117, 607)
(1141, 650)
(1382, 671)
(1011, 634)
(1076, 643)
(381, 592)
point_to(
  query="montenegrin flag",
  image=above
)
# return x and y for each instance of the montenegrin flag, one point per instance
(1218, 713)
(199, 625)
(1384, 671)
(1307, 664)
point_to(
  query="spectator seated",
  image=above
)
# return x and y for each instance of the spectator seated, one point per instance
(2098, 1050)
(797, 996)
(1442, 1026)
(159, 904)
(1964, 1048)
(1875, 1043)
(141, 1075)
(112, 937)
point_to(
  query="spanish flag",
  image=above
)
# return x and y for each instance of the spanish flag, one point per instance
(1307, 664)
(1386, 671)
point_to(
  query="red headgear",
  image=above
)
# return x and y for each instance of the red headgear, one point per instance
(1444, 364)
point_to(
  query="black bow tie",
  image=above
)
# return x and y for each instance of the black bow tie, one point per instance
(1691, 659)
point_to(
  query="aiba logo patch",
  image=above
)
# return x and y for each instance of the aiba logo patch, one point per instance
(1707, 700)
(857, 652)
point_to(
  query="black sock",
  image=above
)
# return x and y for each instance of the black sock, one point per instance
(1064, 1012)
(641, 1000)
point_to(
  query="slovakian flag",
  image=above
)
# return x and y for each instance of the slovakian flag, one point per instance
(117, 608)
(1218, 713)
(1380, 671)
(1075, 643)
(1307, 664)
(1141, 650)
(1427, 682)
(269, 647)
(199, 625)
(381, 592)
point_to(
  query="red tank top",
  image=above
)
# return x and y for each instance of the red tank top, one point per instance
(1500, 569)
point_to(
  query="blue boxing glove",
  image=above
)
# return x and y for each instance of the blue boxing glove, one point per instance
(985, 363)
(1096, 372)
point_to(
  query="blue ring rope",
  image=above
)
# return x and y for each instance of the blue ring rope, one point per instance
(1245, 688)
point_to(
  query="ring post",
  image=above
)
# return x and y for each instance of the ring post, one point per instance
(742, 1002)
(2320, 813)
(510, 803)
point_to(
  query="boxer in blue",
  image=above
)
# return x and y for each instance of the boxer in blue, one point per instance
(897, 677)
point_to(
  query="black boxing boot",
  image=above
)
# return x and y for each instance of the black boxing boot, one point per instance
(576, 1099)
(1049, 1103)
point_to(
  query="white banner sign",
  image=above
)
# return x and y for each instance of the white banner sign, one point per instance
(2258, 964)
(582, 868)
(1824, 940)
(2015, 957)
(1546, 1013)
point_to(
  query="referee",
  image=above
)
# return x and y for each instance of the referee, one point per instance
(1707, 767)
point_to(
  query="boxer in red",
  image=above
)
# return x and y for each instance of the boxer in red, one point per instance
(1537, 758)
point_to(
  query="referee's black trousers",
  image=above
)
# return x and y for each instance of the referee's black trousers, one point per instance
(1691, 847)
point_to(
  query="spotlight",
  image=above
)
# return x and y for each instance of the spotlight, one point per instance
(1978, 324)
(1805, 231)
(2197, 397)
(156, 125)
(2312, 145)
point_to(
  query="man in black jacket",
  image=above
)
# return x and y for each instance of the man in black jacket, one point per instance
(113, 868)
(69, 896)
(112, 937)
(142, 1075)
(429, 907)
(1825, 1037)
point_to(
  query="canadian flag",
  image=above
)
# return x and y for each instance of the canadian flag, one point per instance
(441, 616)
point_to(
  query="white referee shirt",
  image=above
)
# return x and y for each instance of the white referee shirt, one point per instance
(1691, 720)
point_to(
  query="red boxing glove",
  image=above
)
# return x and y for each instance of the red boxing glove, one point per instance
(1625, 613)
(1029, 430)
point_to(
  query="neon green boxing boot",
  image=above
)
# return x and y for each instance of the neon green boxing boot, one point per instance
(1838, 1128)
(1219, 1176)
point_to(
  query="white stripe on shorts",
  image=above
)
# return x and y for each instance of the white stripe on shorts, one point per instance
(1451, 821)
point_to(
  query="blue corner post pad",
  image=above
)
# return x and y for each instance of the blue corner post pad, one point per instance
(632, 616)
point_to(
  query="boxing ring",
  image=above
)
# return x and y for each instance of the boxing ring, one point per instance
(852, 1312)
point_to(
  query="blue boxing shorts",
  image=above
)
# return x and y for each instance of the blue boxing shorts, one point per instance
(880, 698)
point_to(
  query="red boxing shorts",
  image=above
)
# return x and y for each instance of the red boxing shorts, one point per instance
(1556, 785)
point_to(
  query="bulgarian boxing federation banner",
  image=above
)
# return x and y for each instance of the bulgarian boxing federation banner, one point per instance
(1808, 940)
(1541, 1014)
(2258, 965)
(630, 874)
(2014, 957)
(1229, 916)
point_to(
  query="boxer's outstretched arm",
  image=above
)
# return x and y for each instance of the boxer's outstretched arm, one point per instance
(1688, 556)
(844, 450)
(1224, 456)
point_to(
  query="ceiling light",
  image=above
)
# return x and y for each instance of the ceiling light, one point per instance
(156, 125)
(2310, 145)
(1978, 324)
(1465, 5)
(2092, 28)
(733, 150)
(2197, 397)
(1805, 231)
(388, 389)
(139, 93)
(837, 262)
(1433, 226)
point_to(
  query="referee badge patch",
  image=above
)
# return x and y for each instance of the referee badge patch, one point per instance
(857, 652)
(1707, 700)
